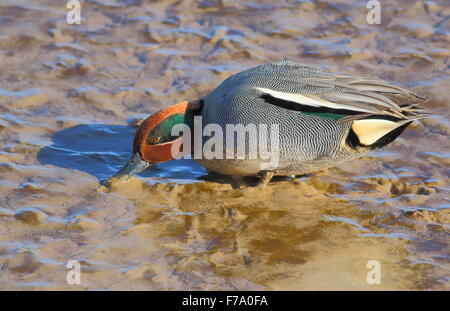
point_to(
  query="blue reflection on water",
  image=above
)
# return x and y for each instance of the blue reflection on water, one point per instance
(102, 149)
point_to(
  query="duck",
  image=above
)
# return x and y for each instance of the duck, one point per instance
(318, 119)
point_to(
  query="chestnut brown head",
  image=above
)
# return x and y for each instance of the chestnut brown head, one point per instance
(154, 142)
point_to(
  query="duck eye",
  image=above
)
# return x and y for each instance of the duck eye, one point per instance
(156, 139)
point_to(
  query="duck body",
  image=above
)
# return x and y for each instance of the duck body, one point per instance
(311, 137)
(321, 119)
(300, 152)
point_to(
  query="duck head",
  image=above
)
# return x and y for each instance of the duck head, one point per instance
(154, 142)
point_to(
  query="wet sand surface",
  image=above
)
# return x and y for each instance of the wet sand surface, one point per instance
(70, 96)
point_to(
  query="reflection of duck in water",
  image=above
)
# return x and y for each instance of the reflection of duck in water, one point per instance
(323, 119)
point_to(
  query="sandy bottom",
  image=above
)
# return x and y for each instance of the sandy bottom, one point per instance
(70, 96)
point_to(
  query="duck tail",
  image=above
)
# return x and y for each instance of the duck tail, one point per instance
(410, 103)
(414, 111)
(377, 130)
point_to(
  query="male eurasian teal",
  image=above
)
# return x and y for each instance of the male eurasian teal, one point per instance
(323, 119)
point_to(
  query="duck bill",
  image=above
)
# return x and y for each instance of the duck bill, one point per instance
(134, 166)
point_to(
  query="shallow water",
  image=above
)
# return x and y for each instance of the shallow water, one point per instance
(71, 94)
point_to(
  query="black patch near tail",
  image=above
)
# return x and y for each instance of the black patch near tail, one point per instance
(353, 141)
(389, 137)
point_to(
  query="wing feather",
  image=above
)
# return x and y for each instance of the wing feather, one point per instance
(314, 87)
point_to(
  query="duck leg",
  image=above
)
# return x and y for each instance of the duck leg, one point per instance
(265, 178)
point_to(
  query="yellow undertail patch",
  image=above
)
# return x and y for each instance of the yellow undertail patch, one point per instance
(371, 130)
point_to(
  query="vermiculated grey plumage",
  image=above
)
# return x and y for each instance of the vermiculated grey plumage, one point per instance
(309, 140)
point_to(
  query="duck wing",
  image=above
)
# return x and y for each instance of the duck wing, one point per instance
(374, 106)
(308, 88)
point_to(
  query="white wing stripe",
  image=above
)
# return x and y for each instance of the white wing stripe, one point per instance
(310, 101)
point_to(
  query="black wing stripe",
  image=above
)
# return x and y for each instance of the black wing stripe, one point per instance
(294, 106)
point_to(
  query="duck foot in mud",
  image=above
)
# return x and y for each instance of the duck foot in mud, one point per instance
(265, 178)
